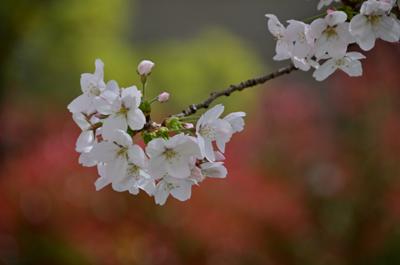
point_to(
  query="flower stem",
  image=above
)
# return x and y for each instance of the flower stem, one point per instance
(153, 100)
(144, 89)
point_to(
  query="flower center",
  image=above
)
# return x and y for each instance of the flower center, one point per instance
(170, 154)
(170, 186)
(301, 37)
(330, 32)
(373, 19)
(124, 110)
(279, 36)
(208, 132)
(133, 171)
(122, 151)
(340, 62)
(93, 89)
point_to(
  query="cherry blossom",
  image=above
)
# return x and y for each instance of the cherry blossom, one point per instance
(181, 189)
(374, 22)
(114, 153)
(211, 128)
(330, 34)
(136, 176)
(145, 67)
(213, 169)
(283, 43)
(326, 40)
(349, 64)
(296, 33)
(85, 158)
(236, 121)
(92, 86)
(291, 42)
(163, 97)
(172, 156)
(124, 111)
(135, 179)
(86, 139)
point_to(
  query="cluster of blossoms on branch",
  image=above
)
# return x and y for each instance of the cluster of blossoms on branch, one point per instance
(177, 153)
(324, 43)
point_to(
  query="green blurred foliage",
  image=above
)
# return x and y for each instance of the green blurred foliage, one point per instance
(191, 70)
(62, 40)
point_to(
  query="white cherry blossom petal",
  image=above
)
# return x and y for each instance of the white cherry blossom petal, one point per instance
(136, 119)
(112, 123)
(116, 168)
(325, 70)
(178, 168)
(137, 156)
(183, 191)
(81, 121)
(104, 151)
(214, 170)
(80, 104)
(389, 29)
(335, 18)
(85, 141)
(86, 160)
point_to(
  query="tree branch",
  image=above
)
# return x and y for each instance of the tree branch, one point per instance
(192, 109)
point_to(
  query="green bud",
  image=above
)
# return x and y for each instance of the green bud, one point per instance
(163, 132)
(145, 106)
(348, 10)
(148, 136)
(174, 124)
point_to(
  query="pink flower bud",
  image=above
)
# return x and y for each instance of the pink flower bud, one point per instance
(330, 11)
(163, 97)
(145, 67)
(188, 125)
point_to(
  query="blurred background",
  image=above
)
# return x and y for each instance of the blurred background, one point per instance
(314, 179)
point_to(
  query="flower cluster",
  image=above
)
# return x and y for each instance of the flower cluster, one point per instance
(177, 154)
(324, 43)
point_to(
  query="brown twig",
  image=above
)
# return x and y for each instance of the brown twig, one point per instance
(192, 109)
